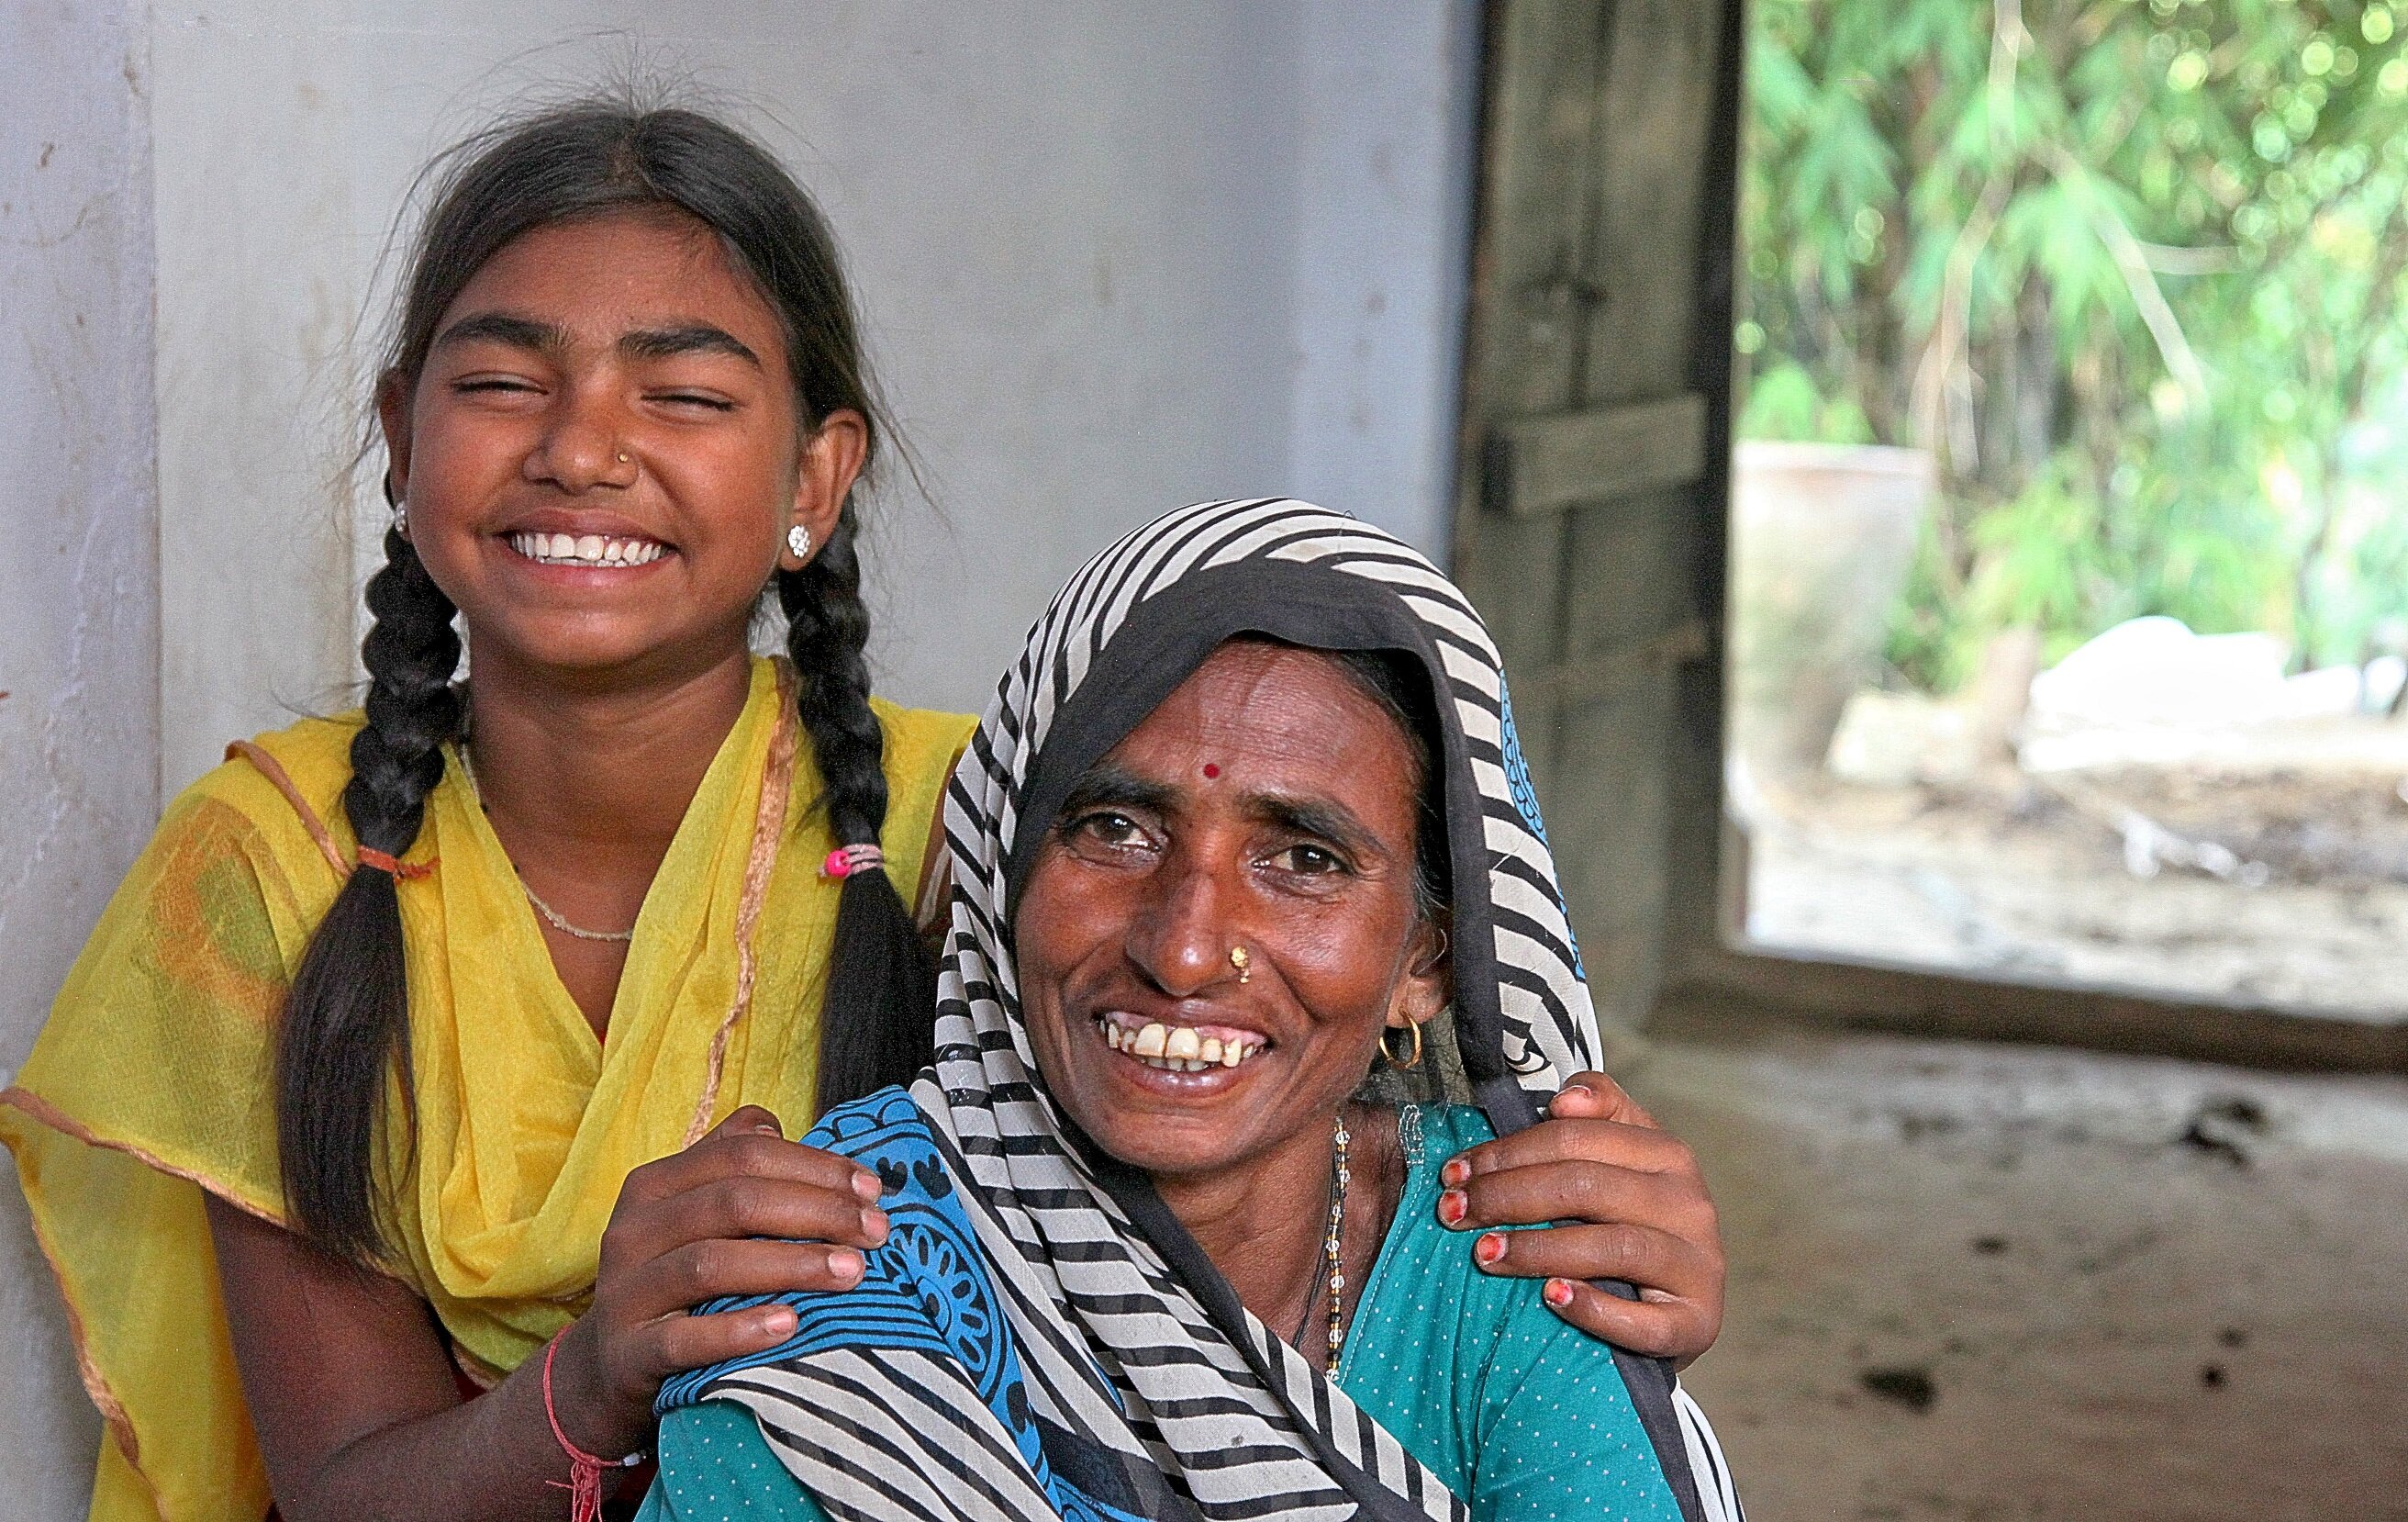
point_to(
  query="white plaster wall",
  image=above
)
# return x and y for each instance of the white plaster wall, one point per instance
(1383, 261)
(79, 688)
(259, 284)
(1114, 257)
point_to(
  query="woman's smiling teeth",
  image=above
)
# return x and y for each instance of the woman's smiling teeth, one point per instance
(587, 549)
(1179, 1049)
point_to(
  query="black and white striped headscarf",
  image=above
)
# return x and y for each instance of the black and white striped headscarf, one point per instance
(1123, 1335)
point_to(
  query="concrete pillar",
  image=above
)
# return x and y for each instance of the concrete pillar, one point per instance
(78, 602)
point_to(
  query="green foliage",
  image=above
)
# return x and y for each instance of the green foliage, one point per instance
(1785, 402)
(2132, 271)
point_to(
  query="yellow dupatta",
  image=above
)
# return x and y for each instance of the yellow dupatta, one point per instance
(152, 1080)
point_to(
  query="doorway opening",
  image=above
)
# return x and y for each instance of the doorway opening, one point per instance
(2068, 566)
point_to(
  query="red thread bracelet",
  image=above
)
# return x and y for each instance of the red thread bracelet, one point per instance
(586, 1470)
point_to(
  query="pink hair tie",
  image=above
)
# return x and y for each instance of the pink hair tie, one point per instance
(845, 861)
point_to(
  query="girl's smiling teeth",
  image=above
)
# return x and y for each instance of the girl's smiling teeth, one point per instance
(587, 549)
(1179, 1049)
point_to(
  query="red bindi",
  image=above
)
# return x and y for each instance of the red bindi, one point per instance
(1210, 769)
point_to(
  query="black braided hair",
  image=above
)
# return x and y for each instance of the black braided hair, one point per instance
(347, 1018)
(877, 1016)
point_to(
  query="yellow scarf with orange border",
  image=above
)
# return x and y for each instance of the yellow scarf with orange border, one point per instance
(152, 1080)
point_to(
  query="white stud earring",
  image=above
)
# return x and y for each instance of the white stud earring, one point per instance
(799, 542)
(401, 519)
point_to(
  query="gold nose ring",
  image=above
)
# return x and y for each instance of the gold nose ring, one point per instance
(1244, 964)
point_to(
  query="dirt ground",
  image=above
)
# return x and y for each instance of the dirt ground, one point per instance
(2035, 876)
(1973, 1282)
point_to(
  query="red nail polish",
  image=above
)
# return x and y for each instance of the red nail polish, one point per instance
(1558, 1293)
(1455, 1173)
(1488, 1249)
(1453, 1207)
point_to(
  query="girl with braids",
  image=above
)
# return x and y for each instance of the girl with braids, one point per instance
(436, 1058)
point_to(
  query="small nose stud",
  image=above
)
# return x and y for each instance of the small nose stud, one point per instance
(1244, 964)
(624, 456)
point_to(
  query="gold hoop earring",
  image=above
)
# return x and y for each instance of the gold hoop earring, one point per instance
(1395, 1061)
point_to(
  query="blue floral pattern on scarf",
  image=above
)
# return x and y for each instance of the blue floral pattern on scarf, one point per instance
(1517, 769)
(1525, 802)
(927, 1290)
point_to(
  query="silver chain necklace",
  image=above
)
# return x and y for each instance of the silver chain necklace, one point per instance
(551, 915)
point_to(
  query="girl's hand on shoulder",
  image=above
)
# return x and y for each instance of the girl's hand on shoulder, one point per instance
(742, 1211)
(1636, 1208)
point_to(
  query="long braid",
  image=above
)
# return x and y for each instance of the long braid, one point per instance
(875, 1024)
(827, 627)
(347, 1018)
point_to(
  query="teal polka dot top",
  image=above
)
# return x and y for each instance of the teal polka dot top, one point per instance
(1520, 1413)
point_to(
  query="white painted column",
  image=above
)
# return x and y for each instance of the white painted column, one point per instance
(78, 587)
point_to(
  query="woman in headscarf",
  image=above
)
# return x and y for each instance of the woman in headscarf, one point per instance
(1245, 825)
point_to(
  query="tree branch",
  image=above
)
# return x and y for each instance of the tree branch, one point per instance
(2132, 264)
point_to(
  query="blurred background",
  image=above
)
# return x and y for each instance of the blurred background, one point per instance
(2072, 361)
(1933, 468)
